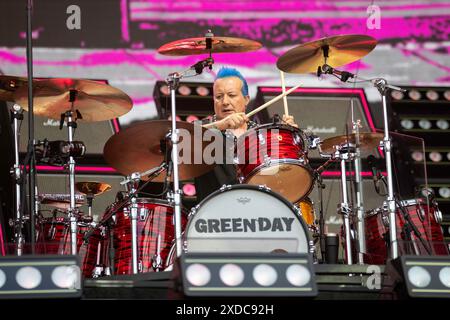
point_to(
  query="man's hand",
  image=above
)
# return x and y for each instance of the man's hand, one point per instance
(233, 121)
(289, 120)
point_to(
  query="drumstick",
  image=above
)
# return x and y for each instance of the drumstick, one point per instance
(262, 107)
(283, 86)
(270, 102)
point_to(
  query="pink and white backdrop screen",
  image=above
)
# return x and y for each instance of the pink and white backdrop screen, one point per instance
(118, 40)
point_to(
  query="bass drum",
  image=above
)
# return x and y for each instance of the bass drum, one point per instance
(246, 218)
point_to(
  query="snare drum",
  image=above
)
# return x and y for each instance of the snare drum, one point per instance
(246, 218)
(275, 156)
(155, 232)
(427, 221)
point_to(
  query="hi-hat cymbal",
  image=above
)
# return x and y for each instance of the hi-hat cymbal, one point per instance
(342, 50)
(60, 201)
(95, 101)
(92, 187)
(367, 140)
(193, 46)
(9, 85)
(138, 149)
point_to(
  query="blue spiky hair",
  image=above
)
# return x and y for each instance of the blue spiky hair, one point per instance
(231, 72)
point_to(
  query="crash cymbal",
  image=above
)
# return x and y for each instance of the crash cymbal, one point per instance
(367, 140)
(192, 46)
(9, 85)
(95, 101)
(138, 149)
(92, 187)
(61, 201)
(342, 50)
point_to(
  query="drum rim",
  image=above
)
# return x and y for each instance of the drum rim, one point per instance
(283, 161)
(273, 125)
(226, 188)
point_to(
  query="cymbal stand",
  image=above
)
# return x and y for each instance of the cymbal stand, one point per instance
(343, 153)
(17, 114)
(73, 211)
(173, 81)
(360, 234)
(383, 88)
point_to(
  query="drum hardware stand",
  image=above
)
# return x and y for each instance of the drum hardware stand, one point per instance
(344, 208)
(383, 87)
(361, 235)
(135, 178)
(173, 81)
(71, 125)
(16, 115)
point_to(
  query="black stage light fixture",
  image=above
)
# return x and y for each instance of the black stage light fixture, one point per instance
(40, 276)
(424, 276)
(249, 274)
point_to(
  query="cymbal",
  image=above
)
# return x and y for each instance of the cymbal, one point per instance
(95, 101)
(342, 50)
(92, 187)
(138, 149)
(191, 46)
(367, 140)
(61, 201)
(9, 85)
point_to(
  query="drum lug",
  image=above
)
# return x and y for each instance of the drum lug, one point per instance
(263, 187)
(385, 220)
(261, 139)
(225, 187)
(421, 213)
(267, 160)
(437, 214)
(143, 214)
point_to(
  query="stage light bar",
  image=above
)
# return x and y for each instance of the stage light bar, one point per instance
(212, 274)
(46, 276)
(425, 276)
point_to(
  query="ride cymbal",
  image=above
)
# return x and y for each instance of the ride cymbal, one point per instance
(141, 147)
(341, 50)
(95, 101)
(367, 140)
(191, 46)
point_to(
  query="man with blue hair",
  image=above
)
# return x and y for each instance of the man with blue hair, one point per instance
(230, 102)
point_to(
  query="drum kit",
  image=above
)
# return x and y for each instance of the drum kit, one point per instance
(269, 211)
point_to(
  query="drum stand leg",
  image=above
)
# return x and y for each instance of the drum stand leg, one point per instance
(361, 235)
(134, 215)
(383, 87)
(173, 81)
(16, 113)
(71, 163)
(345, 209)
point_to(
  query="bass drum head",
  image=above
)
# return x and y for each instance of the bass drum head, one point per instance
(246, 218)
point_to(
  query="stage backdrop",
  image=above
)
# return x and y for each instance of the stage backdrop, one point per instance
(117, 40)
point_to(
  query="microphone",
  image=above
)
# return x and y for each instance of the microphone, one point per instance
(199, 66)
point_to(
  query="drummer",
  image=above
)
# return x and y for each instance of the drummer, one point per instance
(231, 99)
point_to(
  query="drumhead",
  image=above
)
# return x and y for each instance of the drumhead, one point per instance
(246, 218)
